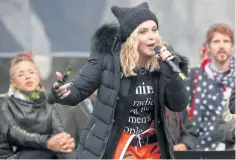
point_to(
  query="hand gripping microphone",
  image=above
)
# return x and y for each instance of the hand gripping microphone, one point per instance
(173, 66)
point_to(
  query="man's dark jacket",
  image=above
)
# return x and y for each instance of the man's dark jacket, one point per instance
(107, 122)
(182, 129)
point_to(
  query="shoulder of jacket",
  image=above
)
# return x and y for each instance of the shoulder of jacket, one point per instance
(3, 100)
(3, 95)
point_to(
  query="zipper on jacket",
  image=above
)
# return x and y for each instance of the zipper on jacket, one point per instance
(113, 112)
(89, 132)
(131, 86)
(156, 88)
(85, 139)
(110, 128)
(168, 152)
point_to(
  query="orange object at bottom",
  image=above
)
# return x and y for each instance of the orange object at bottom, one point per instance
(148, 151)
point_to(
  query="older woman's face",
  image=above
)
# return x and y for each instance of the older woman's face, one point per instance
(148, 37)
(25, 77)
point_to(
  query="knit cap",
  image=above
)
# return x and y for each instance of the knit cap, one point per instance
(130, 18)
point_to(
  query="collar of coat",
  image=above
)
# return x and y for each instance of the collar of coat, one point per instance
(106, 40)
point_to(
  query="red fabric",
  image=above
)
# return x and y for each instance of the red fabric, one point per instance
(223, 88)
(27, 55)
(204, 63)
(149, 151)
(193, 96)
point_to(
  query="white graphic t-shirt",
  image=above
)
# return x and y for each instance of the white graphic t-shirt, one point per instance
(140, 117)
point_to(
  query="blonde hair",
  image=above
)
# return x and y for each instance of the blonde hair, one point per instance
(129, 57)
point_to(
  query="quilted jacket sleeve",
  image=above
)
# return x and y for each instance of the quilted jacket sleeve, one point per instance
(86, 82)
(176, 95)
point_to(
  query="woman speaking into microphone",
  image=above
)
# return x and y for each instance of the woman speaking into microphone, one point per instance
(134, 86)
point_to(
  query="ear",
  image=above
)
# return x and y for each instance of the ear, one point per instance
(208, 48)
(233, 46)
(12, 83)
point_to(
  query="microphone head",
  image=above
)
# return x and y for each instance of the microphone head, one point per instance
(157, 49)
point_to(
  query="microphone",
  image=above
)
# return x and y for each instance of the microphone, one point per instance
(173, 66)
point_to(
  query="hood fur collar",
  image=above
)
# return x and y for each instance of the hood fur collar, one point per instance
(106, 39)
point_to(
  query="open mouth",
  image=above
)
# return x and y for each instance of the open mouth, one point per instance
(151, 46)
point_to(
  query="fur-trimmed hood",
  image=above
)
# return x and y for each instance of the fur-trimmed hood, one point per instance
(107, 40)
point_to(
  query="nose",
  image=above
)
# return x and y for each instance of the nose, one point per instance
(151, 35)
(27, 75)
(222, 44)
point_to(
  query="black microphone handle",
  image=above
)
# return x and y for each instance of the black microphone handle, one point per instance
(174, 67)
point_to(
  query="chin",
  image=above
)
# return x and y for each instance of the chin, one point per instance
(223, 59)
(150, 53)
(30, 89)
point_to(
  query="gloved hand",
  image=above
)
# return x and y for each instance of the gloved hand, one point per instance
(171, 78)
(167, 71)
(59, 89)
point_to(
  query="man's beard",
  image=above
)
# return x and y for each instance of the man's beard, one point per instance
(224, 60)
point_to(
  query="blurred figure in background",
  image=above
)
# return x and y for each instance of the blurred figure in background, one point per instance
(182, 131)
(210, 86)
(29, 124)
(77, 118)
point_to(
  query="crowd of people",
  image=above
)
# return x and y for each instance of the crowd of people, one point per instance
(138, 106)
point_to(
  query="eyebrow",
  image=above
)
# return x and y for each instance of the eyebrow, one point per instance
(225, 40)
(24, 71)
(21, 71)
(147, 28)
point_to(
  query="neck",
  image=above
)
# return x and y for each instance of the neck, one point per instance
(222, 67)
(142, 61)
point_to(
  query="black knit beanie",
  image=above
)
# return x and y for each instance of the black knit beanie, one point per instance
(130, 18)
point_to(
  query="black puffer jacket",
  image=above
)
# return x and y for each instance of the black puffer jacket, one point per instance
(102, 72)
(26, 125)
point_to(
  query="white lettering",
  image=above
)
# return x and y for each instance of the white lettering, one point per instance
(147, 102)
(139, 119)
(135, 111)
(144, 89)
(138, 90)
(135, 130)
(149, 89)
